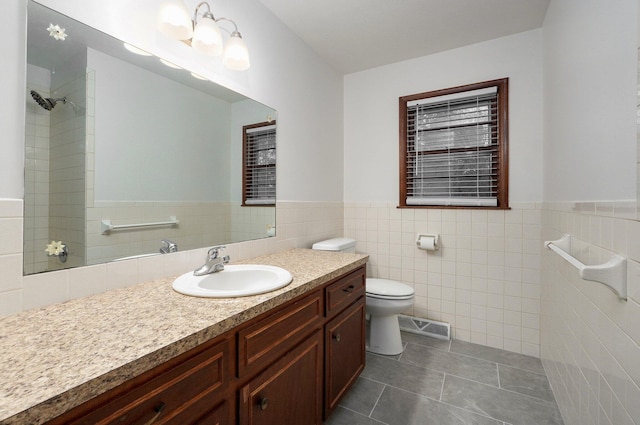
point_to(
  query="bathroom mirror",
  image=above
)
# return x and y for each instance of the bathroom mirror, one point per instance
(123, 152)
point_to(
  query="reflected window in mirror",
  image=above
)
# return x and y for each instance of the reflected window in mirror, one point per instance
(259, 164)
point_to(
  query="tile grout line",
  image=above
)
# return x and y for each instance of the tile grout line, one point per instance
(534, 398)
(377, 400)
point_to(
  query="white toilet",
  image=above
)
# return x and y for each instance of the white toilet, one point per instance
(385, 300)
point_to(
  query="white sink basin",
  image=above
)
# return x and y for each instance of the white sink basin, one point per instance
(234, 281)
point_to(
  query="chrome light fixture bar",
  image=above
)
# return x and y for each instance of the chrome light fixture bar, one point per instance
(203, 33)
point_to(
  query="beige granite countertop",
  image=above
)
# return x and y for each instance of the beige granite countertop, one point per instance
(56, 357)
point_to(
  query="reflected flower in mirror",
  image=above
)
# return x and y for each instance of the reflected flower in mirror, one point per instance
(56, 32)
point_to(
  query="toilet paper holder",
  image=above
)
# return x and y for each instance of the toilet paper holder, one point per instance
(429, 242)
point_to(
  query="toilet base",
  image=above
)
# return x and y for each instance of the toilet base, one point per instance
(384, 335)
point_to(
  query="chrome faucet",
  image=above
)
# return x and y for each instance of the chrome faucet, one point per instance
(168, 247)
(214, 263)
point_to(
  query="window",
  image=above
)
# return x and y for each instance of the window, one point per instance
(453, 147)
(259, 164)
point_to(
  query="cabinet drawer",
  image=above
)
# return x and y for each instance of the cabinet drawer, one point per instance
(180, 395)
(344, 291)
(268, 339)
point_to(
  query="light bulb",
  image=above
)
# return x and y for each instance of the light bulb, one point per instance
(207, 38)
(174, 20)
(236, 54)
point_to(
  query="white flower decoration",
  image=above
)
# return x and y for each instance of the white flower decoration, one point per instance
(56, 32)
(55, 248)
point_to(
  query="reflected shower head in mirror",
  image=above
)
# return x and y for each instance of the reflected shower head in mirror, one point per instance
(49, 103)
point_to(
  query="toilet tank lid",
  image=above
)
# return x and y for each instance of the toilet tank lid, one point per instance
(336, 244)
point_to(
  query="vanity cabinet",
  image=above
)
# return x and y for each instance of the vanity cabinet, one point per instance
(290, 365)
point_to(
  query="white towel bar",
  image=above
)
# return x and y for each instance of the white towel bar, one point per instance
(613, 273)
(107, 227)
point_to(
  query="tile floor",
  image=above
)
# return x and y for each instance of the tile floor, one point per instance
(435, 382)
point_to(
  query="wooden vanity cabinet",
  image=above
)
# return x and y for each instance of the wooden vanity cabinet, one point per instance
(290, 365)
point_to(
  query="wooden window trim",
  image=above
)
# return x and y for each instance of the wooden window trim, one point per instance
(503, 139)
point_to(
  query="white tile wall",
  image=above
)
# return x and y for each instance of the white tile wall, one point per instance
(36, 176)
(298, 224)
(590, 340)
(485, 279)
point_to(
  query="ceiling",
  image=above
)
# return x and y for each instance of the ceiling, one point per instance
(354, 35)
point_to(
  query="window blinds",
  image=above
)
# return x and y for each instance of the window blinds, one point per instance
(452, 149)
(260, 166)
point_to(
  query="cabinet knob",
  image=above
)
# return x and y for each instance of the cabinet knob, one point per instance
(158, 409)
(336, 337)
(264, 403)
(349, 288)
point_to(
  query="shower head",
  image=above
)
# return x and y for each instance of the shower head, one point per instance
(49, 102)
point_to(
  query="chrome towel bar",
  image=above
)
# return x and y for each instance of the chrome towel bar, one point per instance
(106, 226)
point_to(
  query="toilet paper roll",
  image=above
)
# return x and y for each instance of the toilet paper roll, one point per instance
(429, 243)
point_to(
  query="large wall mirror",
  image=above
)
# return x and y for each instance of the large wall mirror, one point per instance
(124, 151)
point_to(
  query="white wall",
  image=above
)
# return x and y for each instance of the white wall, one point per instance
(485, 280)
(153, 119)
(12, 113)
(371, 112)
(590, 94)
(590, 344)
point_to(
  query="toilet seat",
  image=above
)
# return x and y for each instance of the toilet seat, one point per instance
(386, 289)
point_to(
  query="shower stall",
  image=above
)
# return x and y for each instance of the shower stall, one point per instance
(55, 165)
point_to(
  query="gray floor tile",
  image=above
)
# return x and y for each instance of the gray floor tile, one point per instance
(399, 407)
(362, 397)
(503, 405)
(521, 361)
(524, 382)
(425, 340)
(402, 375)
(342, 416)
(455, 364)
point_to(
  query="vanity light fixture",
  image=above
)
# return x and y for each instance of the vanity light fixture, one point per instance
(203, 33)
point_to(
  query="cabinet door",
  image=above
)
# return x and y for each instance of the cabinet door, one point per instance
(345, 353)
(289, 391)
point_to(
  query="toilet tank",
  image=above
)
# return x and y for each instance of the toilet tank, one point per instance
(336, 244)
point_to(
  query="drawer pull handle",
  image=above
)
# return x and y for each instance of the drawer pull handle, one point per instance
(264, 403)
(349, 288)
(158, 409)
(336, 337)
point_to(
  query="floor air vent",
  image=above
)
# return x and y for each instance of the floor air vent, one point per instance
(426, 327)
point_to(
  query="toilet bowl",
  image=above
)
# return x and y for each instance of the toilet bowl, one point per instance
(385, 299)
